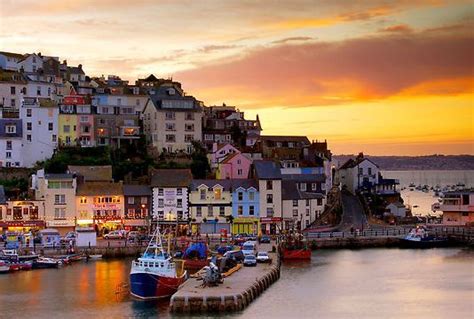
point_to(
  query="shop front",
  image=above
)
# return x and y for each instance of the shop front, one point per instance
(136, 224)
(63, 226)
(22, 226)
(271, 225)
(246, 225)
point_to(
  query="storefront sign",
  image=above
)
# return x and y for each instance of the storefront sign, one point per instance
(135, 222)
(267, 220)
(170, 198)
(30, 223)
(60, 223)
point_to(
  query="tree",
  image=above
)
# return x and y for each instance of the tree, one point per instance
(200, 165)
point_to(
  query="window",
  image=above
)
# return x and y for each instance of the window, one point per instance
(295, 203)
(169, 115)
(307, 223)
(83, 200)
(59, 199)
(240, 210)
(188, 138)
(221, 211)
(66, 128)
(38, 89)
(307, 212)
(361, 170)
(295, 213)
(84, 119)
(170, 138)
(143, 200)
(370, 170)
(202, 194)
(161, 202)
(210, 212)
(239, 162)
(307, 202)
(189, 127)
(251, 210)
(179, 191)
(9, 145)
(239, 172)
(160, 191)
(269, 211)
(29, 126)
(323, 186)
(251, 196)
(131, 200)
(59, 213)
(11, 129)
(12, 102)
(240, 196)
(170, 126)
(217, 193)
(28, 137)
(12, 90)
(319, 201)
(8, 155)
(54, 138)
(269, 198)
(179, 202)
(28, 112)
(313, 186)
(189, 116)
(269, 185)
(198, 211)
(303, 187)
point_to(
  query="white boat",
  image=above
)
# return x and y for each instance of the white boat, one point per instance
(4, 268)
(94, 257)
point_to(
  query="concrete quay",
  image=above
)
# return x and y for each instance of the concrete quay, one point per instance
(236, 293)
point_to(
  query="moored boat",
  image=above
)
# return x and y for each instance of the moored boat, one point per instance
(295, 248)
(4, 267)
(420, 238)
(154, 275)
(43, 262)
(195, 257)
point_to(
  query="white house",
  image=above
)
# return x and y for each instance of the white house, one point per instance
(11, 142)
(170, 194)
(359, 173)
(396, 209)
(269, 181)
(31, 63)
(9, 60)
(40, 129)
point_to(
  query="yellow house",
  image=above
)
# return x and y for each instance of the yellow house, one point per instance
(67, 129)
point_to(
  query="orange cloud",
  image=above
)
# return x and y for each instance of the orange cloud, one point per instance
(325, 73)
(399, 28)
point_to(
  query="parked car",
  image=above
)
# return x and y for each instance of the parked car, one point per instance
(67, 239)
(250, 260)
(136, 235)
(262, 257)
(249, 248)
(265, 239)
(238, 255)
(115, 234)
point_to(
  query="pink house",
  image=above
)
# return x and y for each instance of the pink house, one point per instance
(234, 166)
(220, 151)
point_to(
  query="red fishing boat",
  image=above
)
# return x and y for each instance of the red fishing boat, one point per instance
(295, 248)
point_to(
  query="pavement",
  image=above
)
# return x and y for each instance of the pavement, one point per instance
(353, 215)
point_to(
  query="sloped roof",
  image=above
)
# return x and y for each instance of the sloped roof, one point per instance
(290, 191)
(92, 173)
(227, 184)
(244, 183)
(58, 176)
(350, 163)
(284, 138)
(304, 177)
(136, 190)
(99, 188)
(267, 169)
(171, 178)
(12, 55)
(231, 156)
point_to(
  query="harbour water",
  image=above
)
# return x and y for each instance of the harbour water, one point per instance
(370, 283)
(419, 201)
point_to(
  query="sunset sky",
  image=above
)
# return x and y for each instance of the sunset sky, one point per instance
(383, 77)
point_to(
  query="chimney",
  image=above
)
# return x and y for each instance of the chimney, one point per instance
(39, 54)
(80, 66)
(65, 62)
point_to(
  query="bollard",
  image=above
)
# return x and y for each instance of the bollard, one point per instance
(108, 244)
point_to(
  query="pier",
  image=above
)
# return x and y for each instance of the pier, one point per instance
(236, 293)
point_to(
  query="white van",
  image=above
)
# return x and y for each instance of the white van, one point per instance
(249, 248)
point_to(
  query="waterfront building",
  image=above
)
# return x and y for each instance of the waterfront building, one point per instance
(234, 166)
(58, 193)
(282, 147)
(40, 129)
(210, 205)
(172, 120)
(245, 206)
(22, 215)
(356, 174)
(225, 124)
(11, 144)
(458, 208)
(137, 206)
(100, 204)
(170, 195)
(269, 179)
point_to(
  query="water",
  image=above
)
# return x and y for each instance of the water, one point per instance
(370, 283)
(419, 201)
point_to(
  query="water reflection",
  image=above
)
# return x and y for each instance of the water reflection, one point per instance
(371, 283)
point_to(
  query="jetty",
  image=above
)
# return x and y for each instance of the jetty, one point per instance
(236, 293)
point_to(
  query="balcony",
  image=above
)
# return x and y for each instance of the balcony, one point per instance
(131, 132)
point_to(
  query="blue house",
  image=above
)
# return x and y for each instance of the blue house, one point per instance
(245, 206)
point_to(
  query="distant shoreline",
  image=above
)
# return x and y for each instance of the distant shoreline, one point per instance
(418, 163)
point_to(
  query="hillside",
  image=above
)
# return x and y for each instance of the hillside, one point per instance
(429, 162)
